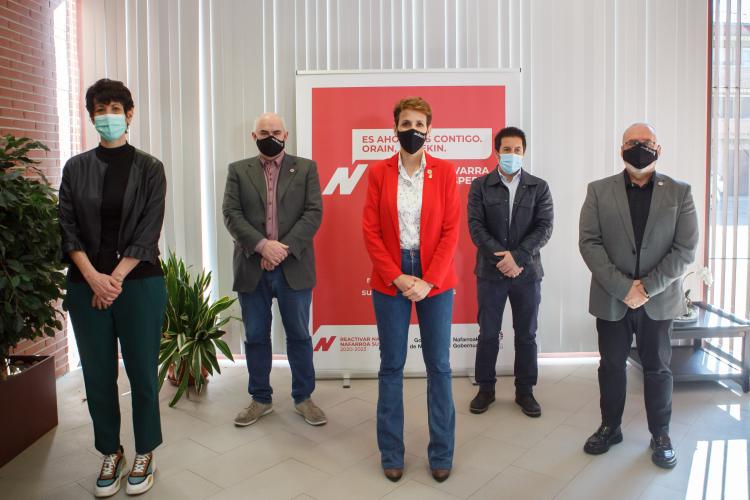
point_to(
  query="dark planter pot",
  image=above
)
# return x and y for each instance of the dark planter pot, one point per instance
(28, 406)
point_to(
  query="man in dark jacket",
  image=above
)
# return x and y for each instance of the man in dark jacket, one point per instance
(510, 219)
(638, 234)
(273, 208)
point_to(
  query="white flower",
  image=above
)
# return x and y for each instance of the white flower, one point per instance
(704, 274)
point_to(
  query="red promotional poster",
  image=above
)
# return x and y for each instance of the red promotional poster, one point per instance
(352, 128)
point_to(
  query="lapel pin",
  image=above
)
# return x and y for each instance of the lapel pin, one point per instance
(661, 183)
(429, 173)
(291, 170)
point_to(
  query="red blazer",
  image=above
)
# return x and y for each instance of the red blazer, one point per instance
(438, 234)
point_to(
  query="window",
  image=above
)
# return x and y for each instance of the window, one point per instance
(66, 72)
(68, 106)
(728, 235)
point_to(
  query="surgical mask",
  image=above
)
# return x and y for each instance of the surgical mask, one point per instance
(111, 127)
(510, 163)
(270, 146)
(411, 140)
(640, 156)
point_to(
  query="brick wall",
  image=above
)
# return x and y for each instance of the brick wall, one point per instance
(28, 107)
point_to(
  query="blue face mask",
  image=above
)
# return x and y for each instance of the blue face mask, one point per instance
(110, 127)
(510, 163)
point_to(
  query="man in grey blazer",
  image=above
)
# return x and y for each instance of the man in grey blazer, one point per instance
(273, 208)
(638, 234)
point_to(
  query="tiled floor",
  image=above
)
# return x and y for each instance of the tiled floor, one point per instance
(500, 454)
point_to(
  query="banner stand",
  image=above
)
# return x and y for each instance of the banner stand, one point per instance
(345, 123)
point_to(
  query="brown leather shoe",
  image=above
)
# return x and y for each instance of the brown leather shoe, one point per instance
(393, 474)
(440, 475)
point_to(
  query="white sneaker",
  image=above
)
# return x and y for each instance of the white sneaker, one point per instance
(110, 476)
(141, 477)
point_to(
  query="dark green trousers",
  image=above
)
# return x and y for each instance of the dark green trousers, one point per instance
(135, 318)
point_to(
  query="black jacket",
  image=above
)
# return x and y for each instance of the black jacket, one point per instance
(530, 228)
(142, 210)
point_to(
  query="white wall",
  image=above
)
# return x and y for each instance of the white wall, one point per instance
(596, 67)
(202, 70)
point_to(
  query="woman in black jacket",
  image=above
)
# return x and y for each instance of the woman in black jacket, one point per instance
(111, 213)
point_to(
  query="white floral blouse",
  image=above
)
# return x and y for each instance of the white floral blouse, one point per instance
(409, 202)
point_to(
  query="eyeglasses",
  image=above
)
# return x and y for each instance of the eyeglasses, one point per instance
(634, 142)
(266, 133)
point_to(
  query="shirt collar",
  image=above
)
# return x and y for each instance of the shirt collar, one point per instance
(402, 170)
(631, 184)
(275, 163)
(513, 182)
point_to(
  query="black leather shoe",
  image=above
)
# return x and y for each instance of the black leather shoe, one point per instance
(602, 439)
(663, 455)
(393, 474)
(440, 475)
(482, 401)
(528, 405)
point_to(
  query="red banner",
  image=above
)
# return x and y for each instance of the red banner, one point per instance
(351, 129)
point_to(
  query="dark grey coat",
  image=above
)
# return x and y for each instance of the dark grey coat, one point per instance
(607, 245)
(299, 209)
(80, 201)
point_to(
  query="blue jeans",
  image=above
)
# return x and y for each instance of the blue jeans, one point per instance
(294, 306)
(524, 303)
(392, 314)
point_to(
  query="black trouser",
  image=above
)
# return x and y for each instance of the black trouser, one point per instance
(524, 303)
(654, 348)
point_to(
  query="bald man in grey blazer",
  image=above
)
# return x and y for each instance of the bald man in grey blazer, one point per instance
(638, 234)
(273, 208)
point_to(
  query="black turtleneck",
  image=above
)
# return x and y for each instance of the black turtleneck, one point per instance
(119, 162)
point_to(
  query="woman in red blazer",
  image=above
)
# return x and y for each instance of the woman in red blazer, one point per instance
(410, 227)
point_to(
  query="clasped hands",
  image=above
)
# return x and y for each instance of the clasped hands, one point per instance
(413, 288)
(106, 289)
(636, 296)
(507, 265)
(273, 253)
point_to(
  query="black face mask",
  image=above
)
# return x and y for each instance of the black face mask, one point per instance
(270, 146)
(411, 140)
(640, 156)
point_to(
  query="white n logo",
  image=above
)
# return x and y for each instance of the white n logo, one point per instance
(345, 183)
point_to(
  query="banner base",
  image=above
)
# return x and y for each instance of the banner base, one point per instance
(347, 376)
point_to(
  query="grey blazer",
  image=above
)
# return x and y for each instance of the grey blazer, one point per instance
(607, 245)
(299, 209)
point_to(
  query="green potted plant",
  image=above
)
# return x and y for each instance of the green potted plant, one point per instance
(191, 336)
(31, 282)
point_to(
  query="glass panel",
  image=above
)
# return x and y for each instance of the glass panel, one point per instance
(729, 237)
